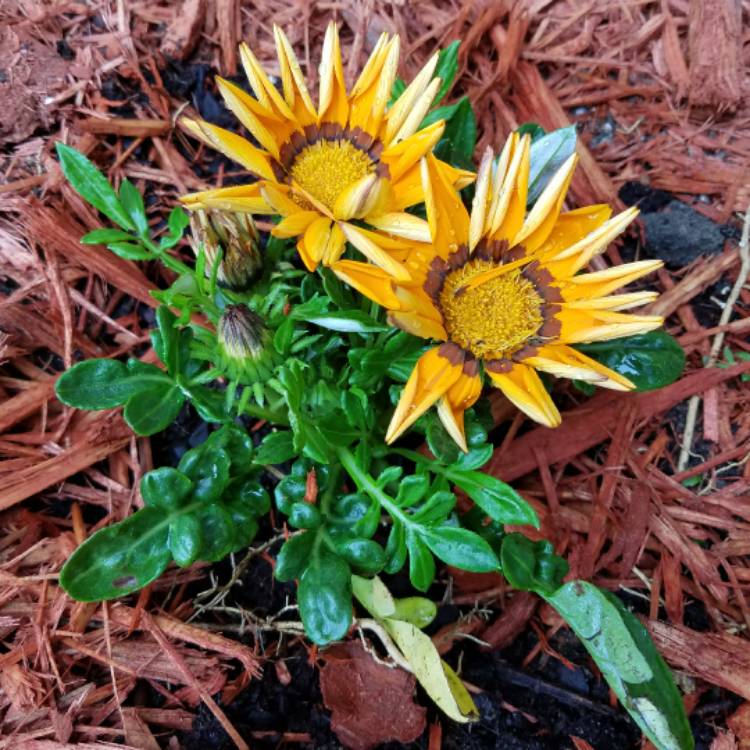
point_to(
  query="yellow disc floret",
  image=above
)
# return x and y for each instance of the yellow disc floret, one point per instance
(495, 318)
(325, 168)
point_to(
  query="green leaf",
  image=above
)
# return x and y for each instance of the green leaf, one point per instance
(168, 350)
(209, 470)
(92, 185)
(294, 556)
(496, 498)
(628, 659)
(185, 540)
(547, 155)
(438, 507)
(446, 69)
(440, 443)
(105, 236)
(417, 610)
(421, 562)
(304, 516)
(347, 321)
(460, 137)
(106, 383)
(276, 448)
(130, 251)
(154, 410)
(534, 129)
(461, 548)
(651, 360)
(475, 458)
(132, 201)
(532, 566)
(217, 530)
(165, 488)
(365, 555)
(396, 550)
(412, 489)
(118, 559)
(325, 598)
(177, 221)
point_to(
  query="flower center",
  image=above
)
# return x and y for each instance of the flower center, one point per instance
(324, 169)
(494, 318)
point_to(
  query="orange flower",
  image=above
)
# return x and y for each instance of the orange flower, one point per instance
(502, 289)
(321, 168)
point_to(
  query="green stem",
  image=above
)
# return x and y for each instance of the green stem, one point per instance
(368, 485)
(260, 412)
(172, 263)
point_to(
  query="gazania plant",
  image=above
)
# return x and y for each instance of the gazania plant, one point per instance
(389, 278)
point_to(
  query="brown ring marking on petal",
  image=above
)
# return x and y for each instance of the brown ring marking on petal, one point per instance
(433, 283)
(550, 329)
(503, 365)
(457, 259)
(515, 253)
(530, 350)
(471, 365)
(452, 352)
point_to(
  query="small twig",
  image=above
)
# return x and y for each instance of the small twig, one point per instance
(726, 313)
(220, 593)
(375, 627)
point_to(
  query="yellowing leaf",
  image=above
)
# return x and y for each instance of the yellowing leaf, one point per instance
(439, 681)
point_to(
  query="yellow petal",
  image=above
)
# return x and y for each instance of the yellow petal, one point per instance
(401, 224)
(242, 198)
(277, 196)
(578, 255)
(368, 102)
(375, 283)
(446, 213)
(401, 108)
(613, 301)
(403, 156)
(566, 362)
(295, 224)
(542, 217)
(292, 80)
(333, 104)
(364, 241)
(523, 387)
(367, 195)
(435, 372)
(418, 112)
(244, 108)
(518, 189)
(573, 226)
(231, 145)
(372, 67)
(601, 283)
(586, 326)
(317, 236)
(265, 92)
(335, 248)
(479, 205)
(417, 325)
(505, 176)
(462, 395)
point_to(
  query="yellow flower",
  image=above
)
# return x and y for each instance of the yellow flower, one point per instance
(350, 158)
(501, 287)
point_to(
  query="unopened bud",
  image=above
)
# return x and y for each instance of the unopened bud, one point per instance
(245, 344)
(236, 236)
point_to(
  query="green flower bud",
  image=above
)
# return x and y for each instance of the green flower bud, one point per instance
(236, 235)
(245, 345)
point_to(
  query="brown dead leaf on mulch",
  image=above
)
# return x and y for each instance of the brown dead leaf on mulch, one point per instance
(370, 702)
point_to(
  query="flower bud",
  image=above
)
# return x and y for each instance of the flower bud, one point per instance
(245, 345)
(235, 234)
